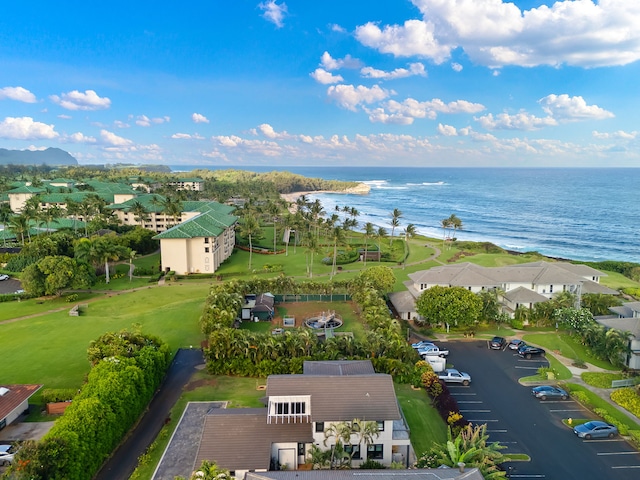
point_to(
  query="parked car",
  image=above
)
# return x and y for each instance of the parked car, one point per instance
(421, 344)
(516, 343)
(6, 454)
(4, 276)
(430, 350)
(545, 391)
(528, 351)
(595, 429)
(497, 343)
(451, 375)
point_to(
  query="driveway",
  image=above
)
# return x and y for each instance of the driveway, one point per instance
(526, 425)
(10, 286)
(125, 459)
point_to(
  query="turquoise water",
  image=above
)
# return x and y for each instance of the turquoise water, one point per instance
(582, 214)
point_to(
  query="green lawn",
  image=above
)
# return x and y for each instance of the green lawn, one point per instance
(597, 402)
(424, 421)
(568, 347)
(51, 348)
(16, 309)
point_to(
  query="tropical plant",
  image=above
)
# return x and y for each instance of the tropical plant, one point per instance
(394, 222)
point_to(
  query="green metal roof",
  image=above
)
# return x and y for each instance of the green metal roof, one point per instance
(151, 201)
(208, 224)
(75, 196)
(110, 187)
(27, 189)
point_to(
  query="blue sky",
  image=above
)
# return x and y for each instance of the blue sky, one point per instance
(300, 82)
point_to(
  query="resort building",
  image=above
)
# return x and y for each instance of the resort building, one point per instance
(626, 318)
(521, 285)
(201, 242)
(195, 184)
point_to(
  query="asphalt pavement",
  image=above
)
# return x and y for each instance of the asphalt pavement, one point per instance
(124, 460)
(529, 426)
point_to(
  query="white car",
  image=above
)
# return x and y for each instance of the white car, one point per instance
(6, 454)
(421, 344)
(4, 276)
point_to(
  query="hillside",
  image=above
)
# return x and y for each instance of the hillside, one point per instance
(50, 156)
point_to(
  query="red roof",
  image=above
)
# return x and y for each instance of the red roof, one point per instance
(14, 397)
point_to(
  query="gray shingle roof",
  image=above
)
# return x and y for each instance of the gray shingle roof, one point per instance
(239, 439)
(338, 367)
(341, 398)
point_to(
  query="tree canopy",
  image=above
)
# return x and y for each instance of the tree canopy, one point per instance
(454, 306)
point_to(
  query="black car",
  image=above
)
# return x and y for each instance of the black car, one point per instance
(497, 343)
(528, 351)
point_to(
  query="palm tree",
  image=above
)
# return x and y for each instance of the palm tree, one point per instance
(172, 209)
(456, 223)
(140, 212)
(445, 223)
(381, 233)
(73, 210)
(132, 255)
(273, 210)
(250, 228)
(108, 250)
(51, 215)
(395, 221)
(312, 248)
(337, 233)
(369, 231)
(19, 225)
(5, 217)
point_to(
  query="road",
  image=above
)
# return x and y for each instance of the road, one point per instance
(527, 425)
(124, 460)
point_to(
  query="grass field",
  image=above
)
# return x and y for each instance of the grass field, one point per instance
(568, 347)
(51, 348)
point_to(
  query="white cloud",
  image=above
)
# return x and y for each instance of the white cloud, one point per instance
(273, 12)
(64, 117)
(143, 121)
(447, 130)
(187, 136)
(349, 97)
(121, 124)
(320, 75)
(330, 63)
(620, 134)
(78, 137)
(24, 128)
(496, 33)
(159, 120)
(413, 38)
(337, 28)
(19, 94)
(413, 70)
(198, 118)
(519, 121)
(75, 100)
(111, 139)
(378, 115)
(456, 67)
(566, 108)
(430, 109)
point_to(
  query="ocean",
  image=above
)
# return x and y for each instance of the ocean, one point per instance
(589, 214)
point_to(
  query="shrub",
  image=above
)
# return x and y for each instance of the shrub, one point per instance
(635, 437)
(53, 395)
(628, 399)
(581, 397)
(600, 379)
(372, 465)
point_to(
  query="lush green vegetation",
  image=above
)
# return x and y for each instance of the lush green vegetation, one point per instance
(593, 401)
(568, 347)
(426, 425)
(600, 379)
(51, 348)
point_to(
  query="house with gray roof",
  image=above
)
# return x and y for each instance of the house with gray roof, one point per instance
(301, 410)
(521, 285)
(626, 318)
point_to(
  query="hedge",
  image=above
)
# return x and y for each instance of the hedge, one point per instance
(628, 399)
(117, 391)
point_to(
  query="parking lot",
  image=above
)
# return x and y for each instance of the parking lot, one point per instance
(525, 424)
(10, 286)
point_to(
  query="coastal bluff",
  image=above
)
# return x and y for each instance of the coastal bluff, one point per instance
(360, 189)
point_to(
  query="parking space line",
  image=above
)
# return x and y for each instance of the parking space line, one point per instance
(626, 466)
(527, 368)
(469, 401)
(475, 411)
(482, 421)
(569, 410)
(499, 431)
(533, 475)
(463, 393)
(617, 453)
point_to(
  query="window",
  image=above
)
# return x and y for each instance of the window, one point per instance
(375, 451)
(206, 239)
(353, 450)
(301, 449)
(550, 288)
(319, 427)
(282, 408)
(206, 249)
(380, 425)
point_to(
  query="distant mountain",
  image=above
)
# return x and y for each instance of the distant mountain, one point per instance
(50, 156)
